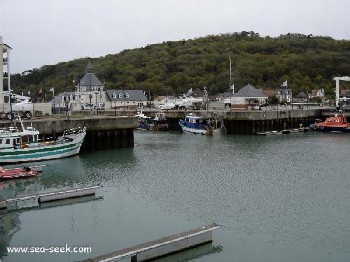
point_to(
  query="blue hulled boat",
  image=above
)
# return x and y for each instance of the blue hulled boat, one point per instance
(196, 125)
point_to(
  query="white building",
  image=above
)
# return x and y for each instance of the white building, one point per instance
(122, 98)
(4, 68)
(284, 94)
(247, 98)
(89, 91)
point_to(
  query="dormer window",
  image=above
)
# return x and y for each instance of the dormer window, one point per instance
(126, 95)
(120, 95)
(114, 95)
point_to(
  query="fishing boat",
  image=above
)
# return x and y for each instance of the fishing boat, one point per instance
(20, 172)
(336, 123)
(143, 121)
(196, 125)
(22, 144)
(158, 123)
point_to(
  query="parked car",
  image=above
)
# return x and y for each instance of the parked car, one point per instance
(87, 107)
(101, 106)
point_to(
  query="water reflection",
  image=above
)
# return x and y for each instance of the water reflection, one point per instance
(193, 253)
(278, 195)
(9, 225)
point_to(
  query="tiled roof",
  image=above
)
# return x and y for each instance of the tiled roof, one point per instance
(126, 95)
(249, 91)
(90, 80)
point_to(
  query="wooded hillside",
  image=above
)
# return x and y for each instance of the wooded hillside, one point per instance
(307, 62)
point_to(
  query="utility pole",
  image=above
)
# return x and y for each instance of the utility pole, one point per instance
(229, 57)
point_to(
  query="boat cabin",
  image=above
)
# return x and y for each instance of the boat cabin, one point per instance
(30, 139)
(194, 119)
(12, 138)
(10, 141)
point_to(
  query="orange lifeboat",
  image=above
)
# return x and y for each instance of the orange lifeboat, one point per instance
(336, 123)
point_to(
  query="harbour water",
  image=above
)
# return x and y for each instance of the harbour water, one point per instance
(278, 198)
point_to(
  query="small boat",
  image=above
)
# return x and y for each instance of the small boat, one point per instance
(196, 125)
(158, 123)
(20, 172)
(21, 144)
(268, 133)
(336, 123)
(285, 131)
(143, 121)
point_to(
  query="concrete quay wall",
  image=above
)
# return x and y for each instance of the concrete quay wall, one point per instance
(249, 121)
(102, 132)
(242, 114)
(54, 126)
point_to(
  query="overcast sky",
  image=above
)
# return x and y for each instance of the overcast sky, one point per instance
(45, 32)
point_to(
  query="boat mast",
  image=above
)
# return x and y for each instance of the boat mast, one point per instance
(229, 57)
(231, 89)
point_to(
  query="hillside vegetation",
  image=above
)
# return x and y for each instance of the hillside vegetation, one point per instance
(307, 62)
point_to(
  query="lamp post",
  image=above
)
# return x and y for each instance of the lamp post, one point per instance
(230, 88)
(96, 106)
(66, 104)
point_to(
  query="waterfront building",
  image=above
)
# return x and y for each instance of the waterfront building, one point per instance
(4, 68)
(345, 97)
(89, 89)
(89, 93)
(302, 97)
(248, 97)
(125, 98)
(284, 94)
(317, 93)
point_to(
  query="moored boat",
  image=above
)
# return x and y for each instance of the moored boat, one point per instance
(143, 121)
(158, 123)
(22, 144)
(196, 125)
(19, 172)
(336, 123)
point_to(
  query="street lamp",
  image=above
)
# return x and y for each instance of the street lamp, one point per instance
(96, 93)
(66, 104)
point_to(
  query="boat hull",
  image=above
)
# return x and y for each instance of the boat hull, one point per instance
(337, 124)
(192, 130)
(334, 129)
(16, 173)
(153, 127)
(40, 153)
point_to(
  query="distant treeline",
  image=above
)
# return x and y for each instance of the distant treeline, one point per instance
(171, 68)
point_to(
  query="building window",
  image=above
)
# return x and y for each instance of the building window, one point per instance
(114, 95)
(120, 95)
(126, 95)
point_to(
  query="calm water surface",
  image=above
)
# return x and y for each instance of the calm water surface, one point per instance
(279, 198)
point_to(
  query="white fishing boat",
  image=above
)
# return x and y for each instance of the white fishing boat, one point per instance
(22, 144)
(196, 125)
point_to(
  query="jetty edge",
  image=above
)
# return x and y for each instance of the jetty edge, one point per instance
(161, 247)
